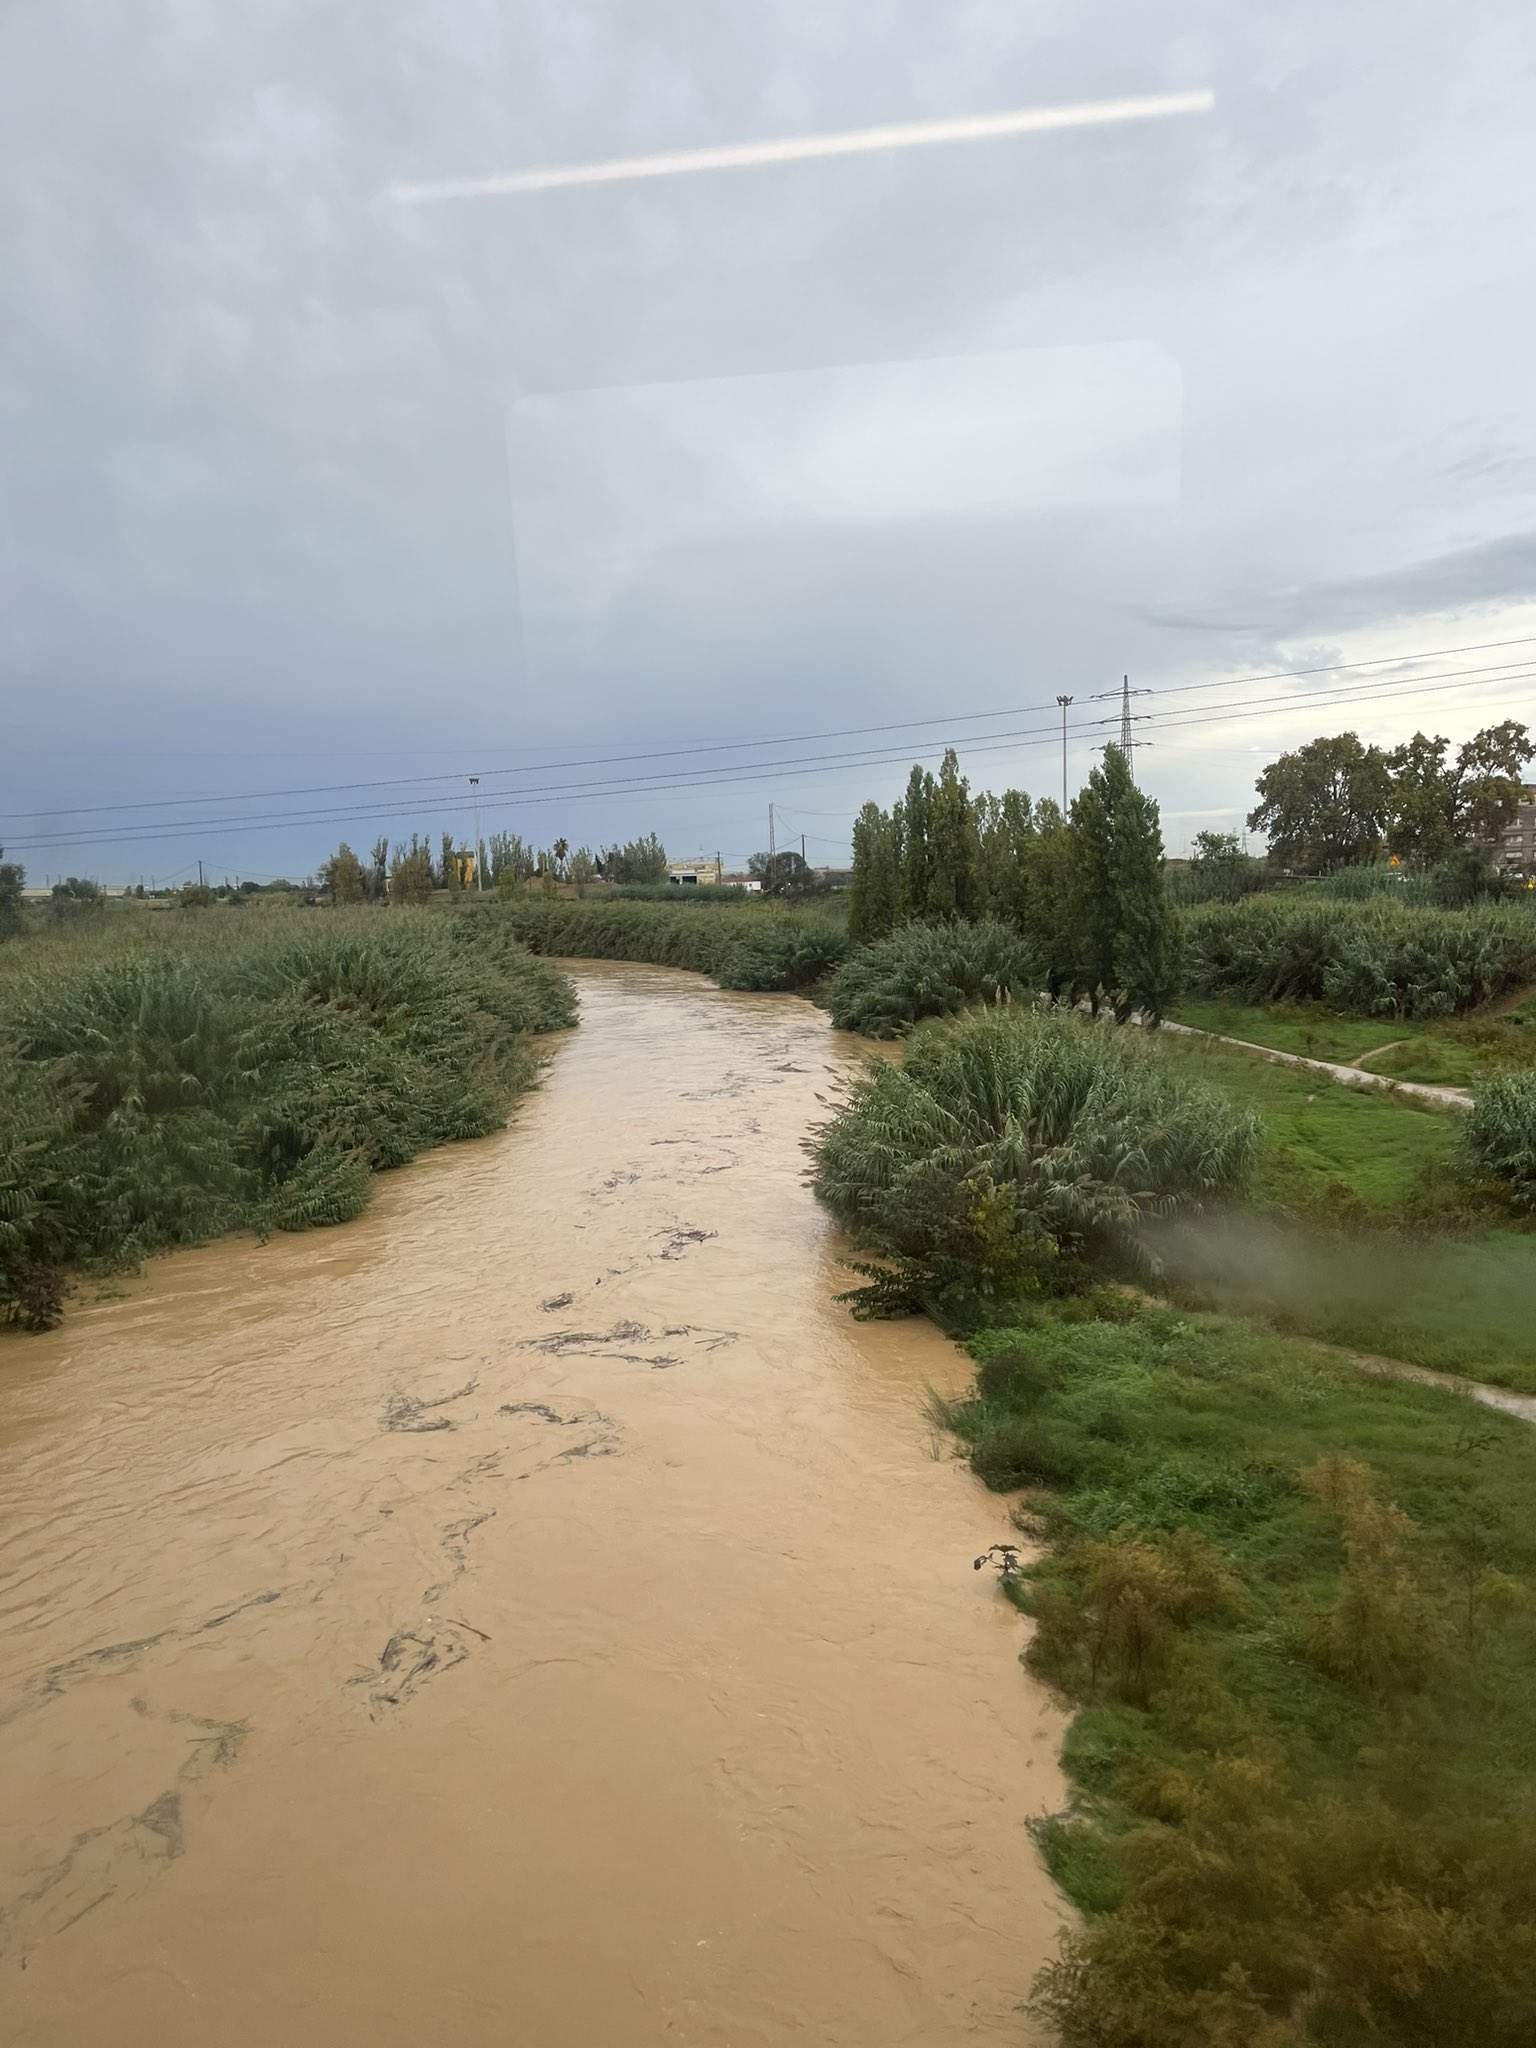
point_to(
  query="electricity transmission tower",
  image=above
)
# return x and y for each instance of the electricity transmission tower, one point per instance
(1128, 719)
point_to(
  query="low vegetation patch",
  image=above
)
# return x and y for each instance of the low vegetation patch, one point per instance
(742, 947)
(1009, 1149)
(1326, 1149)
(929, 970)
(1297, 1607)
(171, 1079)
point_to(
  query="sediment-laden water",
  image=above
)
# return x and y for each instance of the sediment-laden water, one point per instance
(535, 1614)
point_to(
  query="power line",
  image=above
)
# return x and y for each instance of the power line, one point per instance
(815, 765)
(783, 739)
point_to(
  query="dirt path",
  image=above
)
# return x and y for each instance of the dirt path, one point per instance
(532, 1616)
(1376, 1052)
(1351, 1076)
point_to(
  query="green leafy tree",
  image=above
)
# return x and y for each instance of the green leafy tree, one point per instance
(640, 860)
(874, 898)
(784, 874)
(583, 868)
(1005, 833)
(410, 874)
(344, 877)
(952, 880)
(1421, 825)
(559, 853)
(77, 896)
(448, 866)
(1487, 783)
(1129, 938)
(1052, 892)
(1325, 804)
(512, 861)
(378, 872)
(1220, 871)
(917, 857)
(12, 879)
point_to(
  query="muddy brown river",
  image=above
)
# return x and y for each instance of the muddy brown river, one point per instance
(533, 1615)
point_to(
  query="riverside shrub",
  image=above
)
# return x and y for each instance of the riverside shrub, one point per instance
(1013, 1147)
(1499, 1135)
(740, 947)
(1374, 958)
(926, 970)
(158, 1090)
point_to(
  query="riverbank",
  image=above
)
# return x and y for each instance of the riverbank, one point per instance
(1296, 1606)
(166, 1080)
(536, 1608)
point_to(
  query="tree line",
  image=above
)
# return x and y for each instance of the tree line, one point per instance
(1337, 802)
(410, 872)
(1085, 888)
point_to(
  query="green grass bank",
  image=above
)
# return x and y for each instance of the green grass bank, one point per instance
(1296, 1607)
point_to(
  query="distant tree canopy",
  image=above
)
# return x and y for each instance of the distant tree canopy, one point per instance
(410, 873)
(641, 860)
(12, 880)
(1086, 892)
(344, 876)
(1325, 804)
(1219, 871)
(785, 874)
(1336, 801)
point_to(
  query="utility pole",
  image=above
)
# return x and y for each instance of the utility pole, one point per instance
(768, 878)
(802, 848)
(200, 883)
(1063, 702)
(474, 783)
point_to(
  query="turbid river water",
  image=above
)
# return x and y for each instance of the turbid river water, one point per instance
(535, 1614)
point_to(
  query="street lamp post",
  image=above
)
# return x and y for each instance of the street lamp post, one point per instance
(1063, 702)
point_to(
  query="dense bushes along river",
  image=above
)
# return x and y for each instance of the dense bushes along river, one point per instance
(745, 947)
(162, 1081)
(1370, 959)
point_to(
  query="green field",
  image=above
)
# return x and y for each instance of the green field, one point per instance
(1365, 1236)
(1328, 1148)
(1298, 1606)
(1455, 1053)
(1306, 1028)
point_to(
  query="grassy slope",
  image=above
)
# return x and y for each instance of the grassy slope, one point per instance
(1455, 1054)
(1458, 1299)
(1327, 1146)
(1165, 1423)
(1294, 1027)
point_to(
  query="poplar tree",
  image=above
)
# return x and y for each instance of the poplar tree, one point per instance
(874, 899)
(1128, 940)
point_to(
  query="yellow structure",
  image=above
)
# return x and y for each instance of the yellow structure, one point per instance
(464, 861)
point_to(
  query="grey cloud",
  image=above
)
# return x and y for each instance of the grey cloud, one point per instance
(258, 496)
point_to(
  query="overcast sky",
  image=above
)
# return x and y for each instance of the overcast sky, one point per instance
(302, 484)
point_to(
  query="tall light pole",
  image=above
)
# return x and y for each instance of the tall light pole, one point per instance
(474, 783)
(1063, 702)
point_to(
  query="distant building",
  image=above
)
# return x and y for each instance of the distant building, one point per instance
(749, 883)
(1517, 843)
(689, 874)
